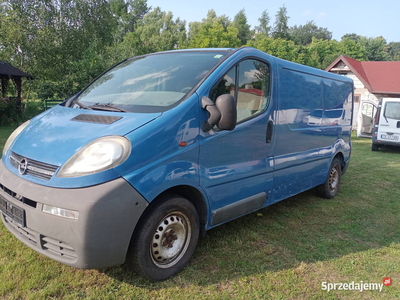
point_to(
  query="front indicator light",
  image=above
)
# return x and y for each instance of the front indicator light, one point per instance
(61, 212)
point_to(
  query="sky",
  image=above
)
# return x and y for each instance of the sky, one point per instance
(370, 18)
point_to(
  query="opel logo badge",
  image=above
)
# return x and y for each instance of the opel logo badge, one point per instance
(22, 166)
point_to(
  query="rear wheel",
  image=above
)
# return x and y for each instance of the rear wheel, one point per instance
(330, 188)
(374, 147)
(165, 240)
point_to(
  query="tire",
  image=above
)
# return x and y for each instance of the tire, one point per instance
(374, 147)
(165, 239)
(330, 188)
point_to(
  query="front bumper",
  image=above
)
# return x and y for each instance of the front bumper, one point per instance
(108, 214)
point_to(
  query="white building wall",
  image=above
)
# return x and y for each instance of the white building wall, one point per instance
(362, 91)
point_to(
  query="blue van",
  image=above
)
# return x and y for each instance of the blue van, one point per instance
(165, 146)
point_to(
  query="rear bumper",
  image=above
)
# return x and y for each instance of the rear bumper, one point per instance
(100, 237)
(383, 142)
(386, 143)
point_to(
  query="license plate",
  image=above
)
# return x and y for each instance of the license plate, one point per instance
(390, 137)
(12, 211)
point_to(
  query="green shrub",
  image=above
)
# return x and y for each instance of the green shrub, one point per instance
(31, 109)
(10, 111)
(14, 112)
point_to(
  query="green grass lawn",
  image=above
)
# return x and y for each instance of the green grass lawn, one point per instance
(284, 251)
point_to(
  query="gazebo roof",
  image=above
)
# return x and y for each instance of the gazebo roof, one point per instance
(8, 71)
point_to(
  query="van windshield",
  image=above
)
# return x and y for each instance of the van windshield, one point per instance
(392, 110)
(152, 83)
(333, 113)
(316, 113)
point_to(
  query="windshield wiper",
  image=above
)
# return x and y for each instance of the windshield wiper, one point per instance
(106, 107)
(81, 105)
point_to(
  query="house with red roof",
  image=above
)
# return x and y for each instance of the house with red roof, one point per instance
(372, 79)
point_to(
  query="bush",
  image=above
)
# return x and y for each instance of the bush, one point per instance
(10, 111)
(31, 109)
(14, 112)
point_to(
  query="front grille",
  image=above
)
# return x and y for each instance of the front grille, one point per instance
(18, 197)
(32, 167)
(35, 240)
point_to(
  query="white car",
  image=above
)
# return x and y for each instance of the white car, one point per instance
(386, 129)
(319, 117)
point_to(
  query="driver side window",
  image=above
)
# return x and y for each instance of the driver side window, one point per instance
(226, 85)
(249, 83)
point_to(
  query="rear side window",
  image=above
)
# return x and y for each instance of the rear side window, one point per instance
(392, 110)
(249, 83)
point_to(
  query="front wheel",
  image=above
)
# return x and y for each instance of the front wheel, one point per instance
(330, 188)
(165, 240)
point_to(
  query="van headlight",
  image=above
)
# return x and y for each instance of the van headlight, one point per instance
(99, 155)
(12, 137)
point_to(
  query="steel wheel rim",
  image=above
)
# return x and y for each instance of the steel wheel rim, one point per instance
(170, 240)
(333, 179)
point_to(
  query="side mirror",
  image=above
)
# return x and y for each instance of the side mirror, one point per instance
(222, 113)
(215, 115)
(227, 106)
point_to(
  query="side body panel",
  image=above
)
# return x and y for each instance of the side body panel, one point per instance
(314, 118)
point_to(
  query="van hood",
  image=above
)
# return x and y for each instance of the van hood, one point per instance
(55, 135)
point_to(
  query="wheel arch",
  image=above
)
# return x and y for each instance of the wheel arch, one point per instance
(190, 193)
(340, 156)
(195, 197)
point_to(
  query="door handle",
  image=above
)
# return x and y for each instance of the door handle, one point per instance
(269, 132)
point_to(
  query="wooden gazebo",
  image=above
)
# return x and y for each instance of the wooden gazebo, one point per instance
(7, 72)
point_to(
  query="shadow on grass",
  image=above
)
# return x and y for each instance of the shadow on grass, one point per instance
(303, 228)
(390, 149)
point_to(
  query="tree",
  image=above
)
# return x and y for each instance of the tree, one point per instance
(321, 53)
(352, 36)
(240, 22)
(58, 41)
(303, 34)
(352, 49)
(278, 47)
(129, 14)
(263, 27)
(376, 48)
(158, 32)
(213, 31)
(394, 50)
(281, 29)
